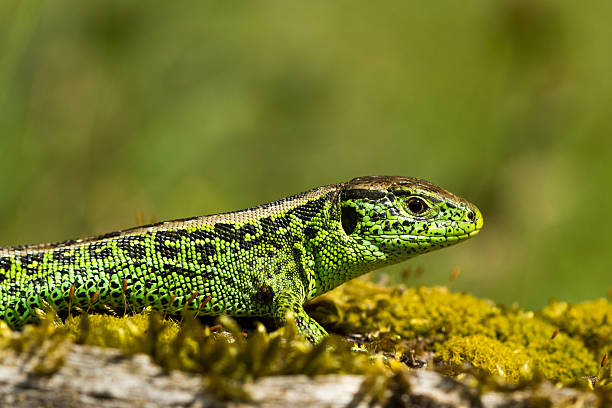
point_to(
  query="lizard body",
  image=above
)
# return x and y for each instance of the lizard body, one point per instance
(263, 261)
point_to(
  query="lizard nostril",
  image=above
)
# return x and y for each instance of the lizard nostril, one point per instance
(470, 215)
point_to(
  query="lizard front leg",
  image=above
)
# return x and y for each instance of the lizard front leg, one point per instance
(286, 291)
(285, 303)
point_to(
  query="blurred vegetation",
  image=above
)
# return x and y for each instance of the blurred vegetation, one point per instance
(173, 109)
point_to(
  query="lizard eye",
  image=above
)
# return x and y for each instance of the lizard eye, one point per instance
(417, 206)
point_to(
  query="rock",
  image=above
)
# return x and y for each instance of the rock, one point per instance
(97, 377)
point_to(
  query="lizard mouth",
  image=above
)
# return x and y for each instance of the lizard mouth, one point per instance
(429, 238)
(475, 232)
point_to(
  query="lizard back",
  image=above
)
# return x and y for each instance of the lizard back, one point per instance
(226, 256)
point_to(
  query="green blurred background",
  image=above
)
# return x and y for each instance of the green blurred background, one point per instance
(109, 109)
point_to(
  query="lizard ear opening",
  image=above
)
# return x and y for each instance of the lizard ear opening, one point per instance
(349, 218)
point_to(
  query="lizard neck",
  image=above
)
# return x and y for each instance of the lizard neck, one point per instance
(339, 260)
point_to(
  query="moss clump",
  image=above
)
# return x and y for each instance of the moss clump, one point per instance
(604, 380)
(196, 348)
(589, 321)
(225, 359)
(362, 307)
(458, 328)
(139, 333)
(562, 358)
(484, 352)
(45, 345)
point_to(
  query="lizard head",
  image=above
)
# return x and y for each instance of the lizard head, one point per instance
(394, 218)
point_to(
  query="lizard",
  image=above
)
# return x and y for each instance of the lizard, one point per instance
(264, 261)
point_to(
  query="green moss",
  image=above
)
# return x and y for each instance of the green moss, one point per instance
(459, 330)
(225, 359)
(561, 358)
(484, 352)
(589, 321)
(45, 345)
(133, 334)
(604, 380)
(362, 307)
(195, 348)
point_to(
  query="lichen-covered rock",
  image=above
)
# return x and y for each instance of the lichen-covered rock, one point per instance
(103, 377)
(483, 345)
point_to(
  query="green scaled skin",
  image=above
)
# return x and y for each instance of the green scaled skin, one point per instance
(265, 261)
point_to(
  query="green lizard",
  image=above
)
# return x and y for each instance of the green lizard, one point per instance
(264, 261)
